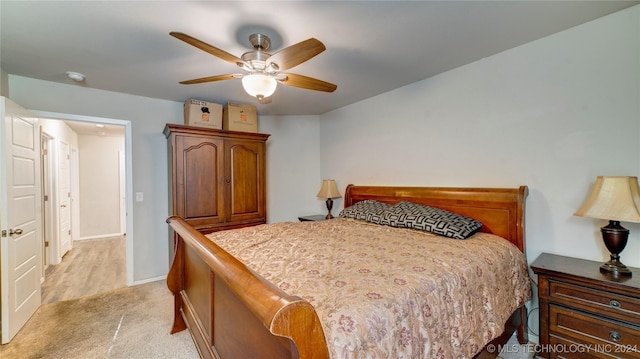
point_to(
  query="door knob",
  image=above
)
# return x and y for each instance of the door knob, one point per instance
(63, 206)
(17, 231)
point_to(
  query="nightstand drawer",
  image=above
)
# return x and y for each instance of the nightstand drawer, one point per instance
(611, 337)
(562, 348)
(614, 305)
(580, 305)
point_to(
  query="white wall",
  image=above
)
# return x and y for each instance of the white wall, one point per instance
(293, 171)
(552, 114)
(59, 132)
(4, 84)
(99, 185)
(148, 117)
(293, 154)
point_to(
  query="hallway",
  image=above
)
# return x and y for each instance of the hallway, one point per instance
(88, 311)
(93, 266)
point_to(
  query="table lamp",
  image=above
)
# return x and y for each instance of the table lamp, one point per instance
(614, 198)
(329, 190)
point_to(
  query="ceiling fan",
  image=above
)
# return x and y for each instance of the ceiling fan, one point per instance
(262, 69)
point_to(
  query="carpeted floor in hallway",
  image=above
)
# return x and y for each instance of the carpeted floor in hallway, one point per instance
(128, 323)
(89, 312)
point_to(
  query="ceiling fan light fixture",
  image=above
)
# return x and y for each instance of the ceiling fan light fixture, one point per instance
(259, 85)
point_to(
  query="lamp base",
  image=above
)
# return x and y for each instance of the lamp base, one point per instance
(615, 239)
(329, 206)
(615, 268)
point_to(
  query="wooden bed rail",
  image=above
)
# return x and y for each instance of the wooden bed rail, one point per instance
(281, 314)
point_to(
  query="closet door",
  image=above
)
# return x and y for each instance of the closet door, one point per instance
(245, 176)
(199, 180)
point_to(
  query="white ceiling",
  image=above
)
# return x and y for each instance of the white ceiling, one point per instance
(95, 129)
(372, 46)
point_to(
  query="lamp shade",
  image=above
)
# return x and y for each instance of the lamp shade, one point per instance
(259, 85)
(613, 198)
(329, 189)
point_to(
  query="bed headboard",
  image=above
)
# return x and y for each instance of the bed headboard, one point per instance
(501, 210)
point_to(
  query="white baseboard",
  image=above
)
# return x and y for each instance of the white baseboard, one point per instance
(100, 236)
(148, 280)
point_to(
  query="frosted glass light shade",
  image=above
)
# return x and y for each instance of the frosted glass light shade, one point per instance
(259, 85)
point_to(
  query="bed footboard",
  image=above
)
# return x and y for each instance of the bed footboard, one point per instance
(231, 311)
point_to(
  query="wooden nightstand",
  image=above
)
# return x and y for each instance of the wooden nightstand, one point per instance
(584, 313)
(315, 217)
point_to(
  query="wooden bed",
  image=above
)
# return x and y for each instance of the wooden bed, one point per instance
(232, 312)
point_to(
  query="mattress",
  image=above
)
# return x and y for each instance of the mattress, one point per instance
(385, 292)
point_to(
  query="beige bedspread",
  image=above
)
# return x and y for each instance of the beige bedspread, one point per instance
(384, 292)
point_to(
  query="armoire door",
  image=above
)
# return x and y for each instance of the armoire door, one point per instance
(199, 180)
(246, 173)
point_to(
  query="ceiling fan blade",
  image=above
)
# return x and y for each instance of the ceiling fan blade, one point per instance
(209, 79)
(309, 83)
(294, 55)
(208, 48)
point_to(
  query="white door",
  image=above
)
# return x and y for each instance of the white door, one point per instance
(75, 194)
(123, 192)
(20, 209)
(64, 197)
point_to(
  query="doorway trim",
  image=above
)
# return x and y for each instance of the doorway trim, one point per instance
(48, 220)
(128, 149)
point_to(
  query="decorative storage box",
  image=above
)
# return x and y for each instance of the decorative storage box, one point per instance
(202, 114)
(240, 117)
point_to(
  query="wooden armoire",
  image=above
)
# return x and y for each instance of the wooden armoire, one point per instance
(216, 177)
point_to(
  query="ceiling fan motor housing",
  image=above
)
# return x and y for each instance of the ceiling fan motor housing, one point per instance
(260, 42)
(257, 59)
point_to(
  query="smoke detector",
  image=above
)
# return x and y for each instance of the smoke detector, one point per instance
(75, 76)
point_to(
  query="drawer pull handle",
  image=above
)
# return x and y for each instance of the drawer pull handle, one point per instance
(615, 336)
(614, 304)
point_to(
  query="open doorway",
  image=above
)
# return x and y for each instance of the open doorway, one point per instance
(122, 164)
(101, 174)
(85, 167)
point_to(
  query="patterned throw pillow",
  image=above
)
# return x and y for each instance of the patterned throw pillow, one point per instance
(439, 221)
(368, 210)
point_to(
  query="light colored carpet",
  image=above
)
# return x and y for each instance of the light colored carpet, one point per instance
(128, 323)
(514, 350)
(92, 266)
(131, 323)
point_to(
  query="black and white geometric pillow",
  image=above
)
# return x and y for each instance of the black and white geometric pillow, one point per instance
(439, 221)
(368, 210)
